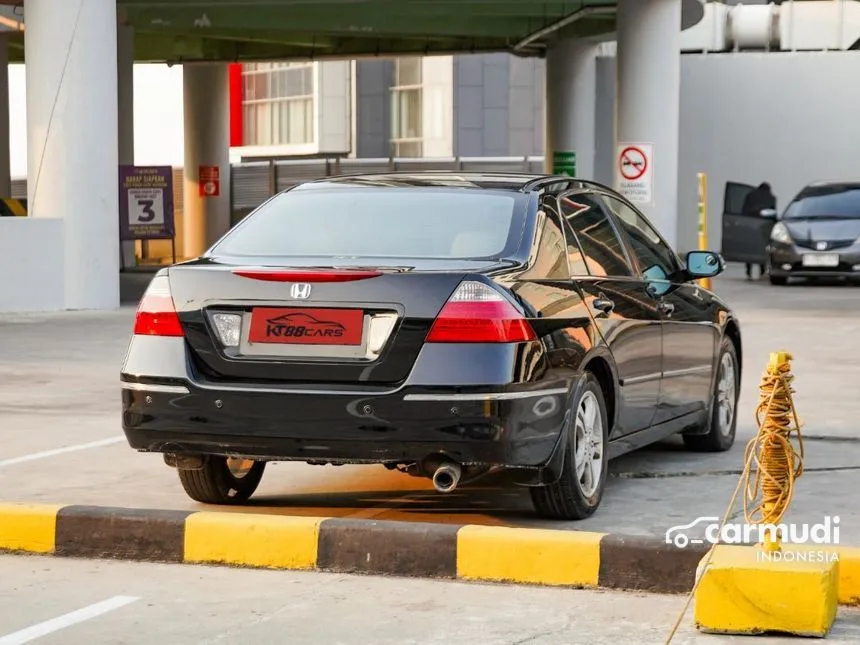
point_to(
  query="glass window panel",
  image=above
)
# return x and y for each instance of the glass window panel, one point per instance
(597, 238)
(408, 71)
(435, 224)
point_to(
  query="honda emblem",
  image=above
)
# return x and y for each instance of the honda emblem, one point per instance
(821, 246)
(301, 291)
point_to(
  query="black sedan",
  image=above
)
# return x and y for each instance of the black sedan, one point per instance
(818, 236)
(442, 325)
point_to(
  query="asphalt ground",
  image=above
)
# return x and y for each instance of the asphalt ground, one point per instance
(62, 442)
(71, 602)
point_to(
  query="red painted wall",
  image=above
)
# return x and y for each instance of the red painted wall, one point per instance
(237, 89)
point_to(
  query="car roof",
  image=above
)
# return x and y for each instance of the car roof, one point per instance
(516, 182)
(836, 185)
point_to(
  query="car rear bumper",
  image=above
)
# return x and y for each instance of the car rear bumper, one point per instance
(517, 425)
(500, 428)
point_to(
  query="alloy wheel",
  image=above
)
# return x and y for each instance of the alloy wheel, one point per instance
(726, 394)
(588, 443)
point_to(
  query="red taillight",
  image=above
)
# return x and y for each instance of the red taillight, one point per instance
(270, 275)
(477, 313)
(156, 313)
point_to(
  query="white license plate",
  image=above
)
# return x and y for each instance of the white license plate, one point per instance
(821, 260)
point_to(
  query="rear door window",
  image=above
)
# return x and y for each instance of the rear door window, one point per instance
(602, 252)
(381, 223)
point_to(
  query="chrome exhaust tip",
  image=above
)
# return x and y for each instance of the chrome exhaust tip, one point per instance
(446, 477)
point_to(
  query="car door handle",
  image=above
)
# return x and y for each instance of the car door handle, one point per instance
(603, 304)
(666, 308)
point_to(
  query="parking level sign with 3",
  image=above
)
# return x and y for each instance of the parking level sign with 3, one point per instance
(146, 202)
(146, 206)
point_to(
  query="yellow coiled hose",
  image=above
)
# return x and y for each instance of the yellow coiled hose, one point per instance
(778, 463)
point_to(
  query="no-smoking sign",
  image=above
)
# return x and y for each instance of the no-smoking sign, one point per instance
(635, 171)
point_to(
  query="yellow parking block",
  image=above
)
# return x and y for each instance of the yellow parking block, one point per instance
(270, 541)
(28, 527)
(745, 591)
(849, 575)
(537, 556)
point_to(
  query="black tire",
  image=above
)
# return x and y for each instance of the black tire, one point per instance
(778, 280)
(566, 499)
(215, 483)
(721, 433)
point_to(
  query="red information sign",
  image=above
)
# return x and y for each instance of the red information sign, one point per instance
(209, 180)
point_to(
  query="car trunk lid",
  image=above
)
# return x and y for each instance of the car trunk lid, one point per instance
(304, 324)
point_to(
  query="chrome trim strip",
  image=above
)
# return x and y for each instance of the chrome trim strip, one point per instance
(289, 390)
(152, 387)
(485, 396)
(645, 378)
(686, 372)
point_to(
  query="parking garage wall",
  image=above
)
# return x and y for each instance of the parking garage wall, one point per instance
(786, 118)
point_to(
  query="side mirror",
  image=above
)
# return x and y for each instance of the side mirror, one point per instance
(768, 213)
(704, 264)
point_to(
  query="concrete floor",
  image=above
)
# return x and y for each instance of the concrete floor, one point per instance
(59, 390)
(180, 605)
(62, 443)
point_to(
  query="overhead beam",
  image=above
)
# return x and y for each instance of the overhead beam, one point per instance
(346, 21)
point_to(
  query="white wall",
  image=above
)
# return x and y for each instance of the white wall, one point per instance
(32, 255)
(158, 127)
(785, 118)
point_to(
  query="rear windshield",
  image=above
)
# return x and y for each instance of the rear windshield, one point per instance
(378, 222)
(842, 202)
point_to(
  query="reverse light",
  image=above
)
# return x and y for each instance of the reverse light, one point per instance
(156, 313)
(229, 327)
(477, 313)
(271, 275)
(779, 233)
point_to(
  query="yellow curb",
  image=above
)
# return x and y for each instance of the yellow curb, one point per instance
(270, 541)
(28, 527)
(538, 556)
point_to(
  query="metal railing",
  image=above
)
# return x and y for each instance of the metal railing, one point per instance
(253, 182)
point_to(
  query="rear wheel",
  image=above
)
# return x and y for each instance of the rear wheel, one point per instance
(577, 493)
(724, 418)
(223, 480)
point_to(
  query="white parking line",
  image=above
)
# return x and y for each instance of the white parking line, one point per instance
(60, 451)
(67, 620)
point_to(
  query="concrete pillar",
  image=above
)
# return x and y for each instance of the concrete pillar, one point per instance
(571, 82)
(206, 92)
(70, 49)
(5, 154)
(648, 101)
(125, 100)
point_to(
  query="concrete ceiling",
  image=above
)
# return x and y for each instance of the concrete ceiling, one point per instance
(175, 31)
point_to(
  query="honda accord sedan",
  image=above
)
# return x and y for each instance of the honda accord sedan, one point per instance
(442, 325)
(818, 236)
